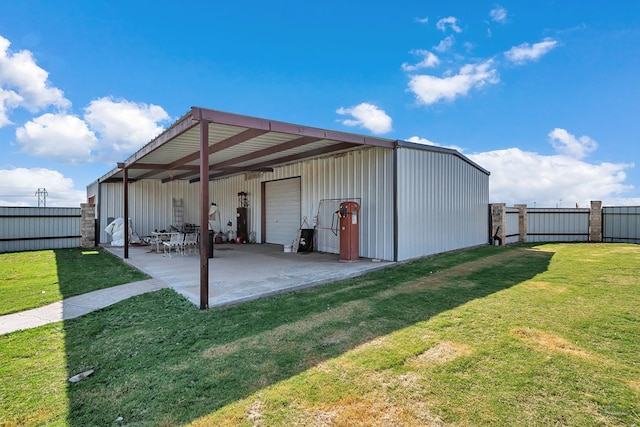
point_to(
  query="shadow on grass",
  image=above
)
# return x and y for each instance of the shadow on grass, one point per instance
(160, 361)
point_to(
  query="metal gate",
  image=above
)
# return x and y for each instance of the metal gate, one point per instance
(621, 224)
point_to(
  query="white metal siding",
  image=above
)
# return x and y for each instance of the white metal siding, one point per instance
(282, 210)
(366, 174)
(442, 203)
(30, 229)
(150, 205)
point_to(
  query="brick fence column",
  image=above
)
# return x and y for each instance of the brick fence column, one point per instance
(595, 222)
(522, 223)
(87, 225)
(499, 223)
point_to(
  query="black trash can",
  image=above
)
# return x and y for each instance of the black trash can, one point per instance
(210, 243)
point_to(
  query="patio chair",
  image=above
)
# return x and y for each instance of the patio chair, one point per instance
(174, 243)
(190, 242)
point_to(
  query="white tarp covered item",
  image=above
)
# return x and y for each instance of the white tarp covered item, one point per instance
(214, 219)
(116, 230)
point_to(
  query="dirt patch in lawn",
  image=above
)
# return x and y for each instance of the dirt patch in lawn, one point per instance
(372, 410)
(547, 341)
(442, 352)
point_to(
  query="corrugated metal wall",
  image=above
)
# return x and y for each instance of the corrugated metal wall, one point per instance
(366, 174)
(442, 203)
(30, 229)
(512, 232)
(621, 224)
(150, 205)
(558, 225)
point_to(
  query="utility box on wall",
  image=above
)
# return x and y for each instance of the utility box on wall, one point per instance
(349, 214)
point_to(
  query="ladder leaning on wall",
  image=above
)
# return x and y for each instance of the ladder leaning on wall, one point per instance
(178, 219)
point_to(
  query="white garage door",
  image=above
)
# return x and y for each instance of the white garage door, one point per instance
(282, 215)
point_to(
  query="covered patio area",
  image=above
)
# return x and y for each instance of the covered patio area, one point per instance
(239, 273)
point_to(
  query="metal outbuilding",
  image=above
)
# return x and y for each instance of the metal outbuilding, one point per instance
(415, 200)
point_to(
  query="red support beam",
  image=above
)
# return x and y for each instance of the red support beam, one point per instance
(125, 191)
(204, 215)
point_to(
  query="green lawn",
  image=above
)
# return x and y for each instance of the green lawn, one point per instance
(526, 335)
(34, 279)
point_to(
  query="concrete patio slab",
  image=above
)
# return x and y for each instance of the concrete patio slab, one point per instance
(239, 273)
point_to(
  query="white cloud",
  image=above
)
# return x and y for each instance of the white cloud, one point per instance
(526, 52)
(526, 177)
(18, 187)
(113, 127)
(8, 101)
(451, 21)
(24, 84)
(425, 141)
(110, 130)
(445, 44)
(567, 144)
(498, 14)
(367, 116)
(61, 137)
(429, 61)
(430, 89)
(123, 125)
(422, 20)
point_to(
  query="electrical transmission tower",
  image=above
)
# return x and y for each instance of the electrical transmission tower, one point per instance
(42, 197)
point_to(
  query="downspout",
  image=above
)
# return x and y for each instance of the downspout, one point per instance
(204, 213)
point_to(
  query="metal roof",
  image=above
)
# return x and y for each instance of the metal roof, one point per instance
(236, 144)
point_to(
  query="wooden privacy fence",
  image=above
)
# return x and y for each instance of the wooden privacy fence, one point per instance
(595, 224)
(30, 228)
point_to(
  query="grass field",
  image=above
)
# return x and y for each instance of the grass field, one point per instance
(524, 335)
(34, 279)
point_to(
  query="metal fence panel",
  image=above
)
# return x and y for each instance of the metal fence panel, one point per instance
(558, 225)
(621, 224)
(512, 233)
(30, 228)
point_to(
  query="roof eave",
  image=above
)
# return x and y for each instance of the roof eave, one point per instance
(435, 148)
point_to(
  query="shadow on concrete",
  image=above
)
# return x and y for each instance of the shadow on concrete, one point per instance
(161, 361)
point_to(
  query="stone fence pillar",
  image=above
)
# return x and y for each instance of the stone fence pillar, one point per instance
(522, 223)
(87, 225)
(595, 222)
(499, 224)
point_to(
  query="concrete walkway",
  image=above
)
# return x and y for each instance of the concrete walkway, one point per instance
(75, 306)
(238, 273)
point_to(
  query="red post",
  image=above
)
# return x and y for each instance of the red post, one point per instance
(204, 214)
(125, 195)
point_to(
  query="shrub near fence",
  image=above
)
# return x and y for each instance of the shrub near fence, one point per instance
(30, 228)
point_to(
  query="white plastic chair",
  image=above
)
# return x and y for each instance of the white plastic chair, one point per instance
(175, 243)
(190, 242)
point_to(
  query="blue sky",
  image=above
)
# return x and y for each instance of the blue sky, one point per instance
(543, 94)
